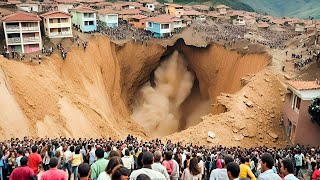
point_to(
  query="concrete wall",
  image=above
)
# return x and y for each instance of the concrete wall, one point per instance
(110, 20)
(79, 19)
(306, 132)
(65, 7)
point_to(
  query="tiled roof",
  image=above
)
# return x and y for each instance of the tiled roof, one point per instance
(31, 2)
(263, 25)
(122, 4)
(145, 1)
(138, 16)
(107, 11)
(47, 2)
(56, 14)
(192, 13)
(304, 85)
(145, 9)
(237, 13)
(5, 12)
(186, 18)
(84, 9)
(104, 4)
(279, 21)
(201, 7)
(129, 11)
(66, 1)
(222, 6)
(21, 16)
(14, 2)
(164, 18)
(173, 5)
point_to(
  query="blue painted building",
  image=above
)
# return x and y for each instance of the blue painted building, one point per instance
(162, 25)
(84, 18)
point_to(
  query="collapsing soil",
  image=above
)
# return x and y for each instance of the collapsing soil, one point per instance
(93, 93)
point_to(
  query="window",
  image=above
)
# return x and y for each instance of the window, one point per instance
(164, 26)
(88, 15)
(150, 24)
(51, 20)
(296, 102)
(88, 23)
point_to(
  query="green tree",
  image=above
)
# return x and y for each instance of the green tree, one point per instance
(314, 110)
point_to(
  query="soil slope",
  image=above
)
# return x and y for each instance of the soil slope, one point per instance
(89, 94)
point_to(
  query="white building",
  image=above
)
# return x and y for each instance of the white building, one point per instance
(108, 17)
(29, 6)
(57, 24)
(22, 32)
(239, 21)
(66, 5)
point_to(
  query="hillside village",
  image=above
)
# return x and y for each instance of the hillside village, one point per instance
(24, 24)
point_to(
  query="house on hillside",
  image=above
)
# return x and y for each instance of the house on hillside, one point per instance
(237, 18)
(66, 5)
(126, 5)
(195, 15)
(297, 121)
(138, 21)
(263, 25)
(222, 9)
(57, 24)
(84, 18)
(124, 14)
(22, 32)
(163, 25)
(102, 5)
(148, 4)
(29, 6)
(174, 9)
(201, 8)
(5, 12)
(108, 17)
(299, 27)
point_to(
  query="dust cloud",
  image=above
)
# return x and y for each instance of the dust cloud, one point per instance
(157, 108)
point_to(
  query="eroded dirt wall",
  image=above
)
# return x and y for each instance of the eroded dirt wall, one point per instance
(220, 70)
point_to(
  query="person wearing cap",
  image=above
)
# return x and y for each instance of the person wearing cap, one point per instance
(147, 161)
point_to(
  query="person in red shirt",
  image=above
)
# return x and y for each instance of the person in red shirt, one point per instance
(54, 173)
(23, 172)
(316, 172)
(34, 160)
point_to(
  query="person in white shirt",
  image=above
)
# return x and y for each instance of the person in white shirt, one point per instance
(92, 155)
(147, 161)
(287, 169)
(127, 160)
(221, 174)
(266, 168)
(157, 166)
(201, 164)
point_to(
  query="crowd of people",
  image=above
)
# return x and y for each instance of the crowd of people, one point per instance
(215, 33)
(275, 40)
(105, 159)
